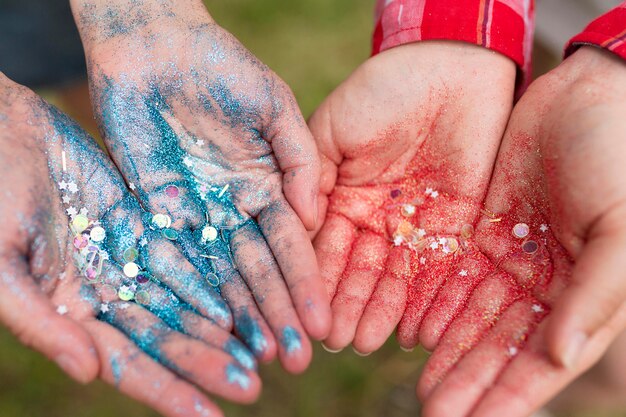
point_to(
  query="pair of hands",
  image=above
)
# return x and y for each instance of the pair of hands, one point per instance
(501, 255)
(211, 168)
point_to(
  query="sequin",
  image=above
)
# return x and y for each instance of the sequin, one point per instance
(80, 223)
(212, 279)
(125, 293)
(451, 245)
(91, 273)
(172, 191)
(530, 247)
(142, 278)
(209, 233)
(170, 234)
(395, 193)
(130, 254)
(521, 230)
(467, 231)
(131, 270)
(408, 210)
(81, 241)
(161, 221)
(97, 234)
(143, 297)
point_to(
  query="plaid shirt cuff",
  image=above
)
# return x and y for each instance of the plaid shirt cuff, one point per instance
(608, 32)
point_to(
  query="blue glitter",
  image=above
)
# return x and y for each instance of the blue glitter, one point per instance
(116, 368)
(241, 354)
(236, 375)
(250, 332)
(291, 339)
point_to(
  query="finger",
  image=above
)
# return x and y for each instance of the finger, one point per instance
(135, 374)
(385, 307)
(463, 387)
(532, 378)
(214, 262)
(332, 247)
(434, 268)
(30, 315)
(452, 298)
(365, 268)
(210, 368)
(262, 275)
(486, 303)
(597, 290)
(297, 156)
(294, 253)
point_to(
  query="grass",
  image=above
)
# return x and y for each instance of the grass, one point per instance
(313, 45)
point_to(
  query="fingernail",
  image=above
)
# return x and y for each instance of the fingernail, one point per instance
(70, 366)
(360, 354)
(327, 349)
(574, 349)
(407, 349)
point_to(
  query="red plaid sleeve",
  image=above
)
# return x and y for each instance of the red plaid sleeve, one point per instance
(505, 26)
(608, 31)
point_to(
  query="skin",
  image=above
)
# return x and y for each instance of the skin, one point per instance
(431, 131)
(164, 353)
(560, 164)
(180, 101)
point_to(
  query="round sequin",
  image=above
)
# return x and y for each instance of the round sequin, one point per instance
(125, 293)
(209, 233)
(91, 273)
(521, 230)
(408, 210)
(131, 270)
(161, 221)
(143, 297)
(467, 231)
(81, 241)
(170, 234)
(80, 223)
(213, 279)
(130, 254)
(452, 245)
(97, 234)
(530, 247)
(395, 193)
(142, 278)
(172, 191)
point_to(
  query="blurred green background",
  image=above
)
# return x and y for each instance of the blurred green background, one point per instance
(313, 45)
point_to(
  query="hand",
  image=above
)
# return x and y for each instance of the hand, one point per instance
(408, 144)
(550, 302)
(74, 253)
(205, 133)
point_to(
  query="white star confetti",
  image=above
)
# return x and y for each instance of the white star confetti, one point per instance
(104, 308)
(66, 199)
(200, 142)
(132, 186)
(544, 228)
(434, 245)
(62, 309)
(124, 306)
(434, 194)
(442, 241)
(537, 308)
(143, 242)
(133, 287)
(63, 185)
(423, 260)
(71, 211)
(187, 161)
(513, 351)
(421, 233)
(463, 272)
(398, 240)
(84, 211)
(72, 187)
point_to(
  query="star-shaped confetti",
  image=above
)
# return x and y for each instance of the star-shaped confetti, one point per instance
(200, 142)
(463, 272)
(434, 245)
(434, 194)
(397, 241)
(61, 276)
(143, 241)
(84, 211)
(66, 199)
(131, 186)
(124, 306)
(104, 308)
(421, 233)
(63, 185)
(72, 187)
(71, 211)
(537, 308)
(423, 260)
(187, 161)
(62, 309)
(512, 351)
(544, 228)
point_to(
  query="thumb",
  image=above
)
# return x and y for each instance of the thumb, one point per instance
(596, 293)
(297, 156)
(30, 315)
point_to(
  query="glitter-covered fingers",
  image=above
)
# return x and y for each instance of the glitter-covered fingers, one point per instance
(402, 189)
(213, 145)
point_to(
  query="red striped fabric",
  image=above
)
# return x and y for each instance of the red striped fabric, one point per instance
(505, 26)
(608, 31)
